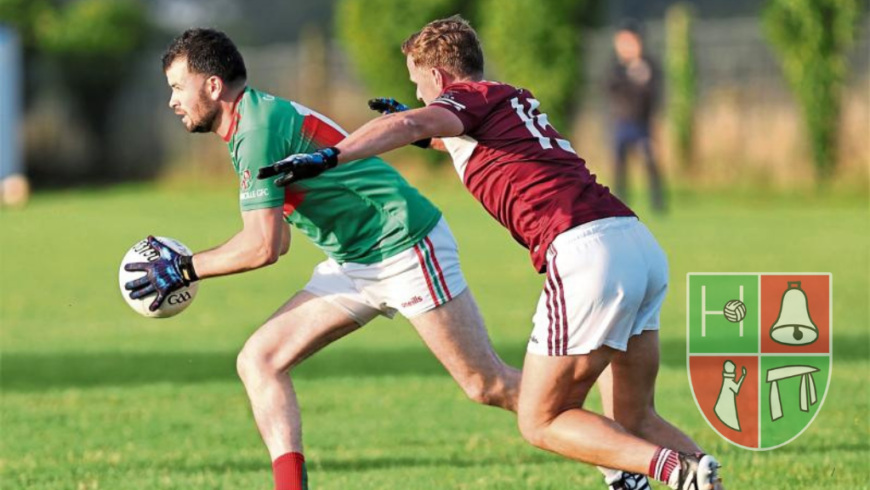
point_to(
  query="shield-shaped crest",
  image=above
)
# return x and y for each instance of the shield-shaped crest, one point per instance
(759, 353)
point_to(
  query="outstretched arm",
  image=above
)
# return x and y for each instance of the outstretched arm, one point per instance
(373, 138)
(264, 237)
(396, 130)
(389, 105)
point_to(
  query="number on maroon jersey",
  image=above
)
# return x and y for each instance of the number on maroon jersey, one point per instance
(534, 119)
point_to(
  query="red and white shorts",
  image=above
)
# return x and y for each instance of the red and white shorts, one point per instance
(412, 282)
(606, 282)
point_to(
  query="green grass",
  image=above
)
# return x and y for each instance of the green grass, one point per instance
(95, 397)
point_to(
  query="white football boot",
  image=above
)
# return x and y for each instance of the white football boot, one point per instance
(627, 481)
(699, 472)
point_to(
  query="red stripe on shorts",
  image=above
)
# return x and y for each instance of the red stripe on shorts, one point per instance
(426, 274)
(438, 268)
(564, 314)
(549, 317)
(556, 319)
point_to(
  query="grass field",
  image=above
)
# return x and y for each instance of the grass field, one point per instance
(95, 397)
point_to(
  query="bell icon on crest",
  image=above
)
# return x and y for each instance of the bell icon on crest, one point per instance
(794, 325)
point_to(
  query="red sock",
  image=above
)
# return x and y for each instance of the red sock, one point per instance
(290, 474)
(664, 462)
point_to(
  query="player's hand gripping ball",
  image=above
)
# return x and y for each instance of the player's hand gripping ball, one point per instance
(157, 278)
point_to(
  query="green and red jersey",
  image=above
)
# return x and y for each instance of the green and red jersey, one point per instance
(362, 212)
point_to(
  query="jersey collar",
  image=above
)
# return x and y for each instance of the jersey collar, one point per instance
(234, 124)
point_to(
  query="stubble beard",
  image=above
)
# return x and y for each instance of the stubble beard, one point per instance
(204, 124)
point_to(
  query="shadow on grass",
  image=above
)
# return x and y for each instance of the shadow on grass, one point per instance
(360, 464)
(824, 448)
(37, 372)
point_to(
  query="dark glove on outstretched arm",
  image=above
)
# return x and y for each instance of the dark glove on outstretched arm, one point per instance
(386, 105)
(300, 166)
(171, 272)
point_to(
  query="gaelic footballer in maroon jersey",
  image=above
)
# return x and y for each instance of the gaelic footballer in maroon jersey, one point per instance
(606, 275)
(520, 168)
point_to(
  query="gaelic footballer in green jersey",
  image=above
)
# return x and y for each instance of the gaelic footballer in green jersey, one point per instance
(364, 212)
(388, 248)
(361, 214)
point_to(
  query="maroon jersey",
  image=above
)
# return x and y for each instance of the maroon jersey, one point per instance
(520, 168)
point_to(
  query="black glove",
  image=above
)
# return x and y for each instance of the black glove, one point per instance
(300, 166)
(386, 105)
(171, 272)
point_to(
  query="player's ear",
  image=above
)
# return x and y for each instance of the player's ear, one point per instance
(215, 87)
(438, 77)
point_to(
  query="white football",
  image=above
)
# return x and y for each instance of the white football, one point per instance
(176, 302)
(735, 311)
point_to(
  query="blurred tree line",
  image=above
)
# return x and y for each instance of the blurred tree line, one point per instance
(87, 44)
(88, 47)
(682, 84)
(537, 45)
(812, 38)
(528, 43)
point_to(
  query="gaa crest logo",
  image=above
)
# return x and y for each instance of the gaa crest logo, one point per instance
(759, 353)
(246, 179)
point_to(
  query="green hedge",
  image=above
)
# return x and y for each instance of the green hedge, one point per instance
(811, 38)
(681, 82)
(527, 43)
(372, 32)
(86, 28)
(535, 45)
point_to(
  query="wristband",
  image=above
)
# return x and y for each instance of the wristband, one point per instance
(185, 265)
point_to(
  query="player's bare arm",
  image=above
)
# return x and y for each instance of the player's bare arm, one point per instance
(373, 138)
(397, 130)
(265, 236)
(389, 105)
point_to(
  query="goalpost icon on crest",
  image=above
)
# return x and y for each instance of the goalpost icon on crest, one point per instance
(734, 311)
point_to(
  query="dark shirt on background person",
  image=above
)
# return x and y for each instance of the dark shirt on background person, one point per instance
(632, 86)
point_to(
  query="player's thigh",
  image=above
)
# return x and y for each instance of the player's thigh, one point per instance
(301, 327)
(595, 284)
(455, 333)
(628, 385)
(554, 384)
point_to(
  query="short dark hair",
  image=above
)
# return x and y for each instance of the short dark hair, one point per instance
(209, 52)
(633, 26)
(450, 44)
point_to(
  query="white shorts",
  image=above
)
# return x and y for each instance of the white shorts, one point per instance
(606, 281)
(412, 282)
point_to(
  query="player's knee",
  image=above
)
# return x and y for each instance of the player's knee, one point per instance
(246, 364)
(480, 390)
(255, 361)
(478, 394)
(533, 431)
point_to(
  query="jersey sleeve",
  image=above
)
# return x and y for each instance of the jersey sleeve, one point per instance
(468, 104)
(256, 149)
